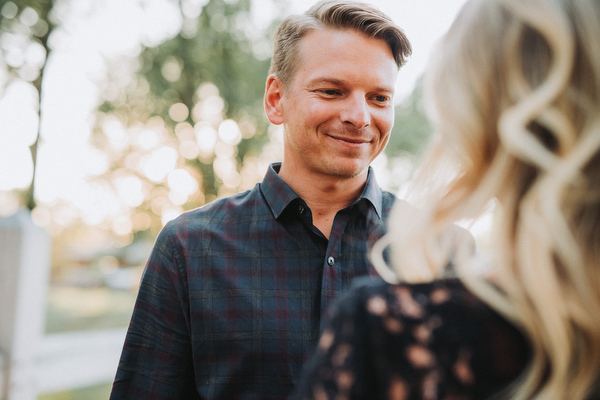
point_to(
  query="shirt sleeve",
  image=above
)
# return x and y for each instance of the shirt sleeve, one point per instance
(156, 361)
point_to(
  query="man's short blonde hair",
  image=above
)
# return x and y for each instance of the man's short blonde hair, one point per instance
(334, 14)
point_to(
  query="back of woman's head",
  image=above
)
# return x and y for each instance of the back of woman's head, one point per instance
(514, 91)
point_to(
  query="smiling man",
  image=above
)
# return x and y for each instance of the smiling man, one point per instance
(232, 296)
(337, 113)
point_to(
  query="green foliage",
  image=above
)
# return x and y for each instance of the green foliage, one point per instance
(218, 52)
(412, 129)
(217, 48)
(214, 48)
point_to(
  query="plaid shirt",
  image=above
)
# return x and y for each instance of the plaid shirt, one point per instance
(231, 299)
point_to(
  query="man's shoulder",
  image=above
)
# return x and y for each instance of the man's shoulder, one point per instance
(388, 197)
(387, 202)
(221, 210)
(235, 202)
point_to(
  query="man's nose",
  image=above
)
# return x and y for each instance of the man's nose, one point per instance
(356, 112)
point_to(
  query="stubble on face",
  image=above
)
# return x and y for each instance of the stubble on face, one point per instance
(362, 137)
(333, 126)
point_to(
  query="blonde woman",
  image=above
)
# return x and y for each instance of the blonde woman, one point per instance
(514, 90)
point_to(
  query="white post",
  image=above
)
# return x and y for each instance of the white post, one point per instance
(24, 276)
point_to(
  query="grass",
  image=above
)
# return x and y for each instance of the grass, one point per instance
(97, 392)
(75, 309)
(72, 308)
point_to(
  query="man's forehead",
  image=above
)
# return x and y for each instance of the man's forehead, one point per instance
(325, 54)
(343, 40)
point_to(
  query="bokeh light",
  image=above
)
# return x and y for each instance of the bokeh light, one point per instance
(229, 132)
(160, 162)
(18, 113)
(140, 163)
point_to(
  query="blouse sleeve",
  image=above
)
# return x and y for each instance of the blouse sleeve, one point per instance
(434, 341)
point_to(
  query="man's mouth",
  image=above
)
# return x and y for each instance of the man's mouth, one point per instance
(350, 140)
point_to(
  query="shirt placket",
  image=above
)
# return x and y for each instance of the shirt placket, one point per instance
(334, 280)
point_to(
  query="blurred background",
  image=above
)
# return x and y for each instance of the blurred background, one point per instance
(118, 115)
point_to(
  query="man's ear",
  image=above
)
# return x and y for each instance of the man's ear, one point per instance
(273, 97)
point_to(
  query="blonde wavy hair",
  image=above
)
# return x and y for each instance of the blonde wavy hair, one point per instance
(514, 91)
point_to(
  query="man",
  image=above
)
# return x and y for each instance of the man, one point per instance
(231, 299)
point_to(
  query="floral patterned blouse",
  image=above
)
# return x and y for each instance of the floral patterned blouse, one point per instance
(425, 341)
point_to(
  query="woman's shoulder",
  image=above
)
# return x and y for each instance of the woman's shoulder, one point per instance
(414, 300)
(446, 304)
(444, 325)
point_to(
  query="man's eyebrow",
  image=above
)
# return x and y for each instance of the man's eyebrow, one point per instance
(385, 89)
(333, 81)
(339, 82)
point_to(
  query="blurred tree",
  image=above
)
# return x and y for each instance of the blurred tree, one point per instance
(200, 94)
(194, 106)
(180, 123)
(411, 129)
(26, 26)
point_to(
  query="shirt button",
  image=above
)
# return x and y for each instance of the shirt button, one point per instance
(330, 261)
(301, 209)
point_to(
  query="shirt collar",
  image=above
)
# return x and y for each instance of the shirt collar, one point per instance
(279, 195)
(373, 193)
(276, 192)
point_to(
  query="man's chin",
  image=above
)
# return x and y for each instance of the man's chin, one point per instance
(345, 170)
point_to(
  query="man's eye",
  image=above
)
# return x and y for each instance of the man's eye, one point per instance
(329, 92)
(381, 99)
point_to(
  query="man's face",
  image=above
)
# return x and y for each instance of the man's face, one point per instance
(338, 110)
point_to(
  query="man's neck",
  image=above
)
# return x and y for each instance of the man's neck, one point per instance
(324, 194)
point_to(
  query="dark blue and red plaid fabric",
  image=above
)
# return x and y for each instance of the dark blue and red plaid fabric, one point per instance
(231, 300)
